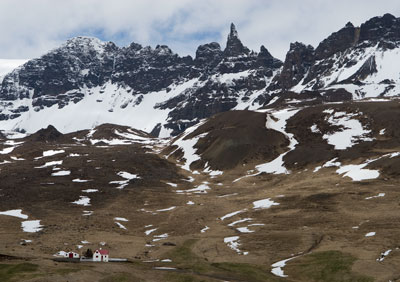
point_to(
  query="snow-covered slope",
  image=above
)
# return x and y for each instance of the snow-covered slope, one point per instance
(368, 72)
(360, 60)
(87, 82)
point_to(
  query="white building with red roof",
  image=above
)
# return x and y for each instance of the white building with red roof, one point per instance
(101, 255)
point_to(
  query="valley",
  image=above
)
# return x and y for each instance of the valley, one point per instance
(189, 209)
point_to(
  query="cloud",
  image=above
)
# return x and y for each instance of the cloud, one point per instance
(30, 28)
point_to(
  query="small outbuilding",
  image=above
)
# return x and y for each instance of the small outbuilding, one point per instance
(71, 255)
(101, 255)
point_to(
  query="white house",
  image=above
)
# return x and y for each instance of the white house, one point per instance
(71, 255)
(100, 255)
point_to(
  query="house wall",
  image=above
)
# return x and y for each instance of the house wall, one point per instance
(96, 256)
(105, 258)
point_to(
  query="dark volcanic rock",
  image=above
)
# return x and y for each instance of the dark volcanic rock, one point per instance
(48, 134)
(337, 42)
(298, 61)
(208, 55)
(146, 69)
(81, 60)
(377, 29)
(234, 46)
(265, 59)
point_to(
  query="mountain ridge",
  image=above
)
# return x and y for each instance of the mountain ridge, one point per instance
(88, 75)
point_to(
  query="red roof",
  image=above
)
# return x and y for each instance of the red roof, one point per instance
(102, 252)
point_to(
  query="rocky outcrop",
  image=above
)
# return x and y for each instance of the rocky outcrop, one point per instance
(49, 134)
(298, 61)
(337, 42)
(234, 46)
(208, 56)
(337, 58)
(378, 29)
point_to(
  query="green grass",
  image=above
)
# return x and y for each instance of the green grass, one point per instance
(65, 271)
(247, 271)
(121, 277)
(182, 277)
(10, 271)
(329, 266)
(185, 259)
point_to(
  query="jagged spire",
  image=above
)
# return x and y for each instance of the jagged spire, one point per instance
(264, 52)
(233, 32)
(234, 46)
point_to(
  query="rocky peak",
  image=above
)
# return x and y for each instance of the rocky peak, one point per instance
(233, 33)
(86, 44)
(264, 53)
(265, 59)
(298, 61)
(163, 50)
(337, 42)
(48, 134)
(385, 28)
(208, 54)
(135, 46)
(234, 46)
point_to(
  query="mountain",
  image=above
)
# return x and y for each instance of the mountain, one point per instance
(357, 59)
(155, 90)
(87, 82)
(275, 170)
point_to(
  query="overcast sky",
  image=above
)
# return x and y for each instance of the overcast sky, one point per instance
(29, 28)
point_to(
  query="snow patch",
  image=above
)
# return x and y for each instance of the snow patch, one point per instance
(90, 190)
(48, 164)
(351, 130)
(120, 225)
(78, 180)
(61, 173)
(7, 150)
(187, 146)
(264, 204)
(50, 153)
(166, 209)
(277, 121)
(232, 214)
(277, 267)
(83, 201)
(233, 243)
(377, 196)
(31, 226)
(123, 183)
(16, 213)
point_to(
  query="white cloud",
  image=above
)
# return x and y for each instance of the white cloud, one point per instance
(30, 28)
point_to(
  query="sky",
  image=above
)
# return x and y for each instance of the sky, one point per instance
(30, 28)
